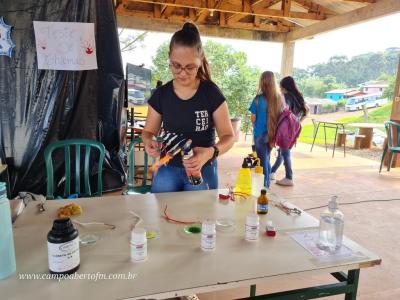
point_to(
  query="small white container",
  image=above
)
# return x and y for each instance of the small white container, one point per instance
(208, 236)
(138, 245)
(252, 227)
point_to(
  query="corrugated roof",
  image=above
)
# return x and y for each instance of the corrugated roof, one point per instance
(339, 91)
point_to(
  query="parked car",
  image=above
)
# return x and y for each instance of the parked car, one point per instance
(136, 97)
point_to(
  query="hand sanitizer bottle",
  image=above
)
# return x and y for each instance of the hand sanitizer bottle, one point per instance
(331, 227)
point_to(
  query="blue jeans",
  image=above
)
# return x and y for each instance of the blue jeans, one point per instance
(283, 155)
(174, 179)
(263, 152)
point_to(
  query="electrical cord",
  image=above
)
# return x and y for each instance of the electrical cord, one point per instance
(356, 202)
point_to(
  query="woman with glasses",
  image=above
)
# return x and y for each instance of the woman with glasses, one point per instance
(193, 106)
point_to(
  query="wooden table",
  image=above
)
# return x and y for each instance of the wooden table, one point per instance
(366, 129)
(176, 265)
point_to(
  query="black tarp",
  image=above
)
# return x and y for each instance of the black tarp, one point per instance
(38, 107)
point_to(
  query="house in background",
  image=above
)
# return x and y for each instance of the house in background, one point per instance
(339, 94)
(374, 87)
(320, 106)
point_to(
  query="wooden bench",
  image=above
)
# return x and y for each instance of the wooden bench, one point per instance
(358, 138)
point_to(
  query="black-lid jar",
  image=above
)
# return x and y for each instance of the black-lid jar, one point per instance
(63, 247)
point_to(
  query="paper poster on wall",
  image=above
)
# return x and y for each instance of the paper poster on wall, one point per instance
(6, 44)
(65, 45)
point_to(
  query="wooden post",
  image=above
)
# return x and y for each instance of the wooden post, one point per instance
(396, 99)
(287, 59)
(395, 116)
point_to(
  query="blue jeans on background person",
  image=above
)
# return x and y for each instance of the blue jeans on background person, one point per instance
(283, 155)
(263, 153)
(174, 179)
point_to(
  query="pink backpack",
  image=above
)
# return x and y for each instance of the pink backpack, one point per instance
(288, 130)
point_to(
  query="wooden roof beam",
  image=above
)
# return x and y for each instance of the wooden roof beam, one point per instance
(366, 13)
(166, 10)
(286, 7)
(260, 11)
(314, 7)
(246, 8)
(261, 27)
(129, 19)
(264, 3)
(361, 1)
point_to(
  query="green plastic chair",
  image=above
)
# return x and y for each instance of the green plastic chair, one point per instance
(393, 142)
(144, 187)
(77, 143)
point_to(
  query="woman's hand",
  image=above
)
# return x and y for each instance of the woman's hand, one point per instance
(152, 148)
(200, 156)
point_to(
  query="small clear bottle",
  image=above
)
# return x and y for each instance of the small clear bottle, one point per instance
(257, 179)
(331, 227)
(252, 227)
(208, 235)
(138, 245)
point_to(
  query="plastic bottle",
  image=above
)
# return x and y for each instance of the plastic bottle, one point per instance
(208, 236)
(63, 247)
(194, 178)
(262, 203)
(257, 179)
(252, 227)
(243, 183)
(138, 245)
(331, 227)
(7, 253)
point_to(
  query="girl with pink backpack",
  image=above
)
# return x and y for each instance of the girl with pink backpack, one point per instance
(288, 128)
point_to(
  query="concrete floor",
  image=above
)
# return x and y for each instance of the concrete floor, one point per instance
(317, 177)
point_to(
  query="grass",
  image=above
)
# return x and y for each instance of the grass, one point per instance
(379, 115)
(307, 134)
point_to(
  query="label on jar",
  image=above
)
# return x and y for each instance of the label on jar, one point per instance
(208, 242)
(138, 252)
(63, 257)
(252, 232)
(262, 208)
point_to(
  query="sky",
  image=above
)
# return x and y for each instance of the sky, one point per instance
(373, 36)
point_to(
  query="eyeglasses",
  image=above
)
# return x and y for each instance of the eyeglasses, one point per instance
(177, 68)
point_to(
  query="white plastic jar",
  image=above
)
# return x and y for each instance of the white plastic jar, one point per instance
(138, 245)
(208, 236)
(252, 227)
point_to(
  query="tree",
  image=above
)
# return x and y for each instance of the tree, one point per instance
(160, 69)
(389, 91)
(129, 41)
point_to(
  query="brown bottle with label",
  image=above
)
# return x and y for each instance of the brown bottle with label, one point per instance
(262, 203)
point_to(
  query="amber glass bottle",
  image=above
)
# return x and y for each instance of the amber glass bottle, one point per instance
(262, 203)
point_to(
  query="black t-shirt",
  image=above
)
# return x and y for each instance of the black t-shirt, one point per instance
(192, 117)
